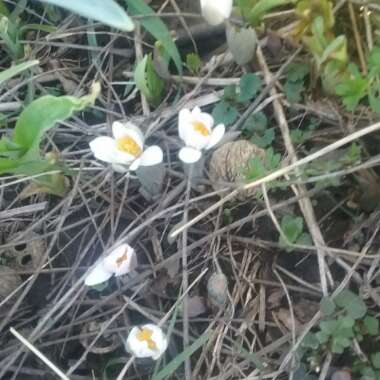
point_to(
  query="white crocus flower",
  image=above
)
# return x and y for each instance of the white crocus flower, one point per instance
(196, 130)
(147, 341)
(216, 11)
(120, 261)
(125, 151)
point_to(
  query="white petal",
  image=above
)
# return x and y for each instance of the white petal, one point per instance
(189, 155)
(97, 275)
(104, 148)
(121, 260)
(216, 135)
(140, 348)
(184, 120)
(206, 119)
(215, 12)
(151, 156)
(128, 129)
(135, 164)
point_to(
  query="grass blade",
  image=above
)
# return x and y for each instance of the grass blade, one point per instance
(153, 24)
(106, 11)
(176, 362)
(14, 70)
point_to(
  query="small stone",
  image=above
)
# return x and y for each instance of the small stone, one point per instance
(217, 289)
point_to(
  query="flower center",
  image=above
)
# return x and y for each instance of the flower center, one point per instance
(122, 258)
(128, 145)
(145, 335)
(201, 128)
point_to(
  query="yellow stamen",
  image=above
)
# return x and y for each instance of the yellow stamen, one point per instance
(201, 128)
(128, 145)
(145, 335)
(120, 259)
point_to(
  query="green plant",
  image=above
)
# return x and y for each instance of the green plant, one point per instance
(256, 130)
(345, 320)
(20, 154)
(226, 111)
(12, 29)
(295, 81)
(148, 81)
(292, 228)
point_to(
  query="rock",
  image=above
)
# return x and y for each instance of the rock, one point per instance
(341, 375)
(217, 289)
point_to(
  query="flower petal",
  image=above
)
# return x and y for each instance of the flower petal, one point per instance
(97, 275)
(120, 130)
(151, 156)
(215, 12)
(189, 155)
(216, 135)
(135, 164)
(140, 347)
(104, 148)
(184, 119)
(121, 260)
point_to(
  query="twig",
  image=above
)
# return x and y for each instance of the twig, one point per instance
(39, 354)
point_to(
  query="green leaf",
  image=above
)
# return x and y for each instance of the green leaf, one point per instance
(224, 113)
(148, 81)
(310, 341)
(14, 70)
(327, 307)
(354, 89)
(170, 368)
(193, 63)
(250, 84)
(263, 6)
(353, 304)
(242, 44)
(257, 122)
(265, 139)
(371, 325)
(153, 24)
(292, 227)
(42, 114)
(108, 12)
(374, 98)
(375, 359)
(293, 91)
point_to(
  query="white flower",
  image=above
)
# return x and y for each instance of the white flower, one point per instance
(120, 261)
(125, 151)
(216, 11)
(196, 130)
(147, 341)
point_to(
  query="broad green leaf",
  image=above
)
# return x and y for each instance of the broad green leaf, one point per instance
(327, 307)
(108, 12)
(310, 341)
(193, 63)
(170, 368)
(154, 25)
(148, 81)
(224, 113)
(352, 303)
(292, 227)
(250, 84)
(297, 71)
(375, 359)
(371, 325)
(14, 70)
(42, 114)
(374, 62)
